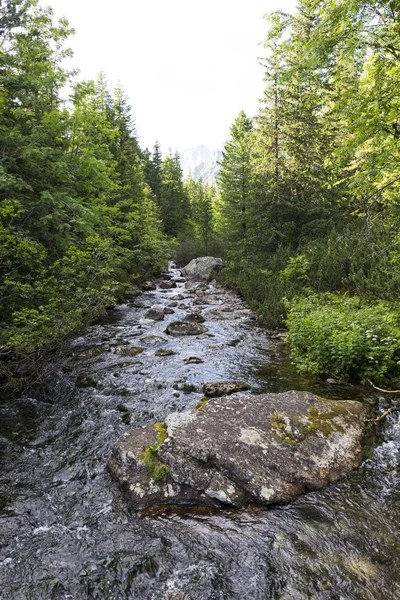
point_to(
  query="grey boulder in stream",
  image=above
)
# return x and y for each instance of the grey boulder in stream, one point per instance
(241, 451)
(202, 267)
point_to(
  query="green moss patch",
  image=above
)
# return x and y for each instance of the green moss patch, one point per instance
(282, 428)
(316, 422)
(200, 405)
(322, 422)
(157, 468)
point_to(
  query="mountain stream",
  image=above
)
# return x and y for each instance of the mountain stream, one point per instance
(65, 529)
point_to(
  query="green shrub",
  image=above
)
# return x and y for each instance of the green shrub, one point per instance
(334, 335)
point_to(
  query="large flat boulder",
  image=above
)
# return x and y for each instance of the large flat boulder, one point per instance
(202, 267)
(243, 450)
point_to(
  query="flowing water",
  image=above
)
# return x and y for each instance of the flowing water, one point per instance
(66, 532)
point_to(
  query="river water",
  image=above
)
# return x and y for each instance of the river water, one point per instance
(66, 532)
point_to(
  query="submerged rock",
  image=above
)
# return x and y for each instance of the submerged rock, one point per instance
(228, 313)
(84, 380)
(194, 317)
(224, 388)
(129, 350)
(180, 328)
(155, 314)
(167, 285)
(164, 352)
(153, 339)
(193, 360)
(242, 450)
(140, 304)
(206, 300)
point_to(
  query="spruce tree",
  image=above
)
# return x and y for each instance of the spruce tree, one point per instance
(152, 169)
(174, 202)
(236, 180)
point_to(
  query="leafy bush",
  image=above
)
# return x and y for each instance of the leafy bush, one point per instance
(342, 337)
(259, 283)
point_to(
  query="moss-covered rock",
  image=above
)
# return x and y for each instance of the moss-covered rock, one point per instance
(242, 450)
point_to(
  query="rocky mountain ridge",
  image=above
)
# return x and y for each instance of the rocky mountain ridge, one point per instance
(201, 162)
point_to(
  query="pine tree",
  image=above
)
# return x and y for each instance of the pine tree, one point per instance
(152, 169)
(236, 180)
(201, 199)
(174, 202)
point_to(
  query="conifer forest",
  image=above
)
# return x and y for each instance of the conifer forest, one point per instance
(304, 212)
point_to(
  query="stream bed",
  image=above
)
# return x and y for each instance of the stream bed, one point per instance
(65, 529)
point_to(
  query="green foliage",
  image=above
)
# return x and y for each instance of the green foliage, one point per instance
(198, 237)
(78, 223)
(174, 203)
(152, 170)
(235, 181)
(257, 279)
(297, 269)
(157, 468)
(344, 337)
(320, 167)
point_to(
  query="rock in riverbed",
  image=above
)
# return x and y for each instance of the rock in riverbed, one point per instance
(193, 360)
(167, 285)
(164, 352)
(224, 388)
(203, 267)
(155, 314)
(180, 328)
(240, 451)
(194, 317)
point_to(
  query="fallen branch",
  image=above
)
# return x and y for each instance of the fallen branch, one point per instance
(384, 414)
(384, 391)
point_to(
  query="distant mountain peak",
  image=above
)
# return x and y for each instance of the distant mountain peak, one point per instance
(201, 162)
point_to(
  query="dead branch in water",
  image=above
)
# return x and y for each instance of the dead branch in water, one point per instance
(389, 410)
(384, 414)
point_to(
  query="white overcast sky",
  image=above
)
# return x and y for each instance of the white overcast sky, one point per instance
(188, 67)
